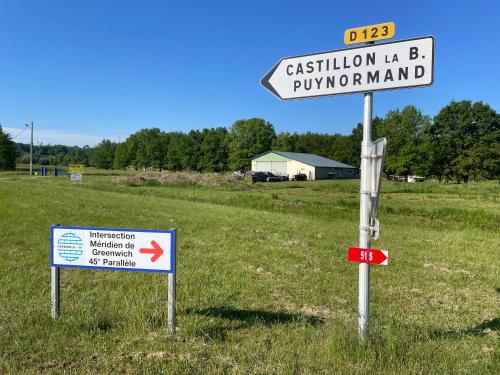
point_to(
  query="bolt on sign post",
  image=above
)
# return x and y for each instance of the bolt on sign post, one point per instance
(364, 69)
(144, 250)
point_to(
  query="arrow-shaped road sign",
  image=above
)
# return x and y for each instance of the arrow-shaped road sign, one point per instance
(157, 251)
(371, 256)
(394, 65)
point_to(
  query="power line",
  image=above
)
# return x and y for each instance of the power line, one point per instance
(21, 132)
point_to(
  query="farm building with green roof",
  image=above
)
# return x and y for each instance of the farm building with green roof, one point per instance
(313, 166)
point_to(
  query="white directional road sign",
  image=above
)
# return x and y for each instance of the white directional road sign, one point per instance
(113, 248)
(394, 65)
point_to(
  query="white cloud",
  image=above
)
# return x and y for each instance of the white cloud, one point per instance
(53, 137)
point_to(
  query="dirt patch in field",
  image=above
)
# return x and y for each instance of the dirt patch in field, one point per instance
(259, 270)
(181, 179)
(443, 268)
(157, 356)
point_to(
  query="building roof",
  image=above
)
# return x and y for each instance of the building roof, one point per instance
(310, 159)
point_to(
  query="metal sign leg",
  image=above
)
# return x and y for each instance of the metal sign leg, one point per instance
(171, 296)
(364, 217)
(55, 287)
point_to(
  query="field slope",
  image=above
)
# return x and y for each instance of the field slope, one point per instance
(263, 282)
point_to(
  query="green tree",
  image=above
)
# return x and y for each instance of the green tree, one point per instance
(213, 150)
(340, 148)
(404, 130)
(465, 138)
(7, 151)
(76, 155)
(176, 156)
(176, 159)
(247, 139)
(192, 148)
(488, 150)
(103, 154)
(121, 158)
(146, 145)
(285, 141)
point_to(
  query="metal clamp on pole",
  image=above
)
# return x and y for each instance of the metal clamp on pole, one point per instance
(366, 150)
(375, 229)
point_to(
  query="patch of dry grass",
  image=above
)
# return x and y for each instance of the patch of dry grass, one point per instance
(177, 179)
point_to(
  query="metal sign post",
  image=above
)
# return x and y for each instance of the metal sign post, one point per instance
(387, 66)
(54, 291)
(120, 249)
(171, 318)
(364, 216)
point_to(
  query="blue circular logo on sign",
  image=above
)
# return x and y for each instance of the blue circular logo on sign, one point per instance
(70, 246)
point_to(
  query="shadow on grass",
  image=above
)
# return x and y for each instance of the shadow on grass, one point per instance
(104, 325)
(98, 325)
(217, 333)
(491, 326)
(487, 327)
(255, 317)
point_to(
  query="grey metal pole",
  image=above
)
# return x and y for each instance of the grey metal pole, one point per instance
(55, 287)
(31, 150)
(171, 293)
(364, 217)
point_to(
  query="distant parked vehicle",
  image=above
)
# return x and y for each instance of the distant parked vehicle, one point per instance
(238, 174)
(267, 177)
(299, 177)
(259, 177)
(270, 177)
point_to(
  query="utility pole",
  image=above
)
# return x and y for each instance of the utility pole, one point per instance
(30, 125)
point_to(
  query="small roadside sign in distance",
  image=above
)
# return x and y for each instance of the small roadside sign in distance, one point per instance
(77, 177)
(369, 33)
(76, 168)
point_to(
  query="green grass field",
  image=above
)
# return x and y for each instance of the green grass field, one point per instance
(263, 282)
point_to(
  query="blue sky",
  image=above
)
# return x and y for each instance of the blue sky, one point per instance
(86, 70)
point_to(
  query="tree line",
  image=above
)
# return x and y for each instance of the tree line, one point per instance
(7, 151)
(461, 142)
